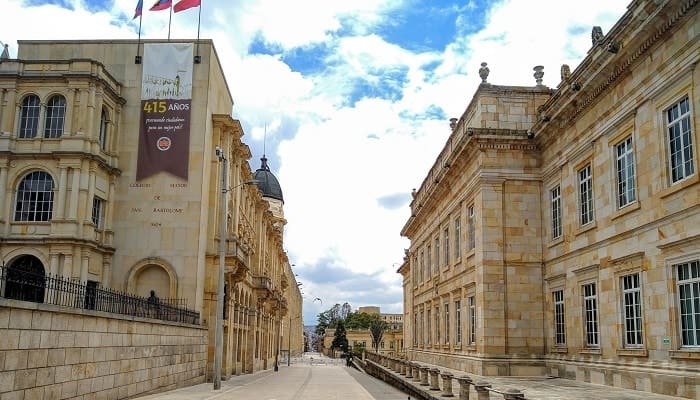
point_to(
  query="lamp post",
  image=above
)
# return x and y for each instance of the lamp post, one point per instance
(219, 338)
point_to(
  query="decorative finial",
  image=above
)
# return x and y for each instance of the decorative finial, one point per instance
(596, 35)
(5, 52)
(453, 123)
(484, 72)
(565, 72)
(539, 73)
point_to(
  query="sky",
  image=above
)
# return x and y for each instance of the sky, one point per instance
(350, 101)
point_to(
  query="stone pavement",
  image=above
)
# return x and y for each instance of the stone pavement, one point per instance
(306, 379)
(314, 377)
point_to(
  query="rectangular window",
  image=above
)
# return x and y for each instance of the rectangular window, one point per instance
(688, 275)
(458, 322)
(559, 322)
(458, 238)
(437, 254)
(428, 331)
(626, 191)
(429, 260)
(680, 140)
(632, 310)
(415, 271)
(422, 327)
(447, 323)
(585, 190)
(446, 244)
(422, 267)
(415, 329)
(472, 320)
(556, 212)
(97, 211)
(437, 325)
(590, 313)
(472, 241)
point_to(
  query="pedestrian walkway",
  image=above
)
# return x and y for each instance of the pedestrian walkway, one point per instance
(312, 377)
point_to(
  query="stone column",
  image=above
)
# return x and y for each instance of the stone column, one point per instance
(53, 264)
(84, 267)
(3, 192)
(67, 266)
(61, 200)
(464, 383)
(424, 372)
(106, 271)
(482, 392)
(409, 370)
(74, 192)
(434, 381)
(416, 372)
(447, 384)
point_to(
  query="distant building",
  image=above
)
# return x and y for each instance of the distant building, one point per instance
(392, 339)
(558, 231)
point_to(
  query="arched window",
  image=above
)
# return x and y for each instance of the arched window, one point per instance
(25, 280)
(104, 121)
(29, 117)
(55, 117)
(34, 197)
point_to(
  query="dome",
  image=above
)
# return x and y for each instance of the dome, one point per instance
(267, 182)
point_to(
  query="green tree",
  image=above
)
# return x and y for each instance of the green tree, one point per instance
(358, 320)
(376, 330)
(340, 340)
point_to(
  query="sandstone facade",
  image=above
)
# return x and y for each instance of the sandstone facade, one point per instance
(558, 232)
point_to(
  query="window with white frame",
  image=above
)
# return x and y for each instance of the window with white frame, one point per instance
(55, 117)
(104, 124)
(34, 200)
(472, 240)
(680, 140)
(458, 322)
(29, 117)
(590, 315)
(447, 323)
(472, 320)
(437, 325)
(626, 190)
(437, 255)
(97, 212)
(559, 318)
(446, 244)
(585, 191)
(632, 310)
(688, 280)
(556, 212)
(458, 237)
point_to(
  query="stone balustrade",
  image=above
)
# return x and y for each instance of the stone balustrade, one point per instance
(415, 377)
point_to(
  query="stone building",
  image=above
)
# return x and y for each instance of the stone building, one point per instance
(392, 339)
(109, 174)
(558, 231)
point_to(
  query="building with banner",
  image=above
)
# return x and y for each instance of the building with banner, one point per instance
(109, 175)
(558, 231)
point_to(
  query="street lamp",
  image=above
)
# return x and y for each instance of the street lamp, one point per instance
(219, 339)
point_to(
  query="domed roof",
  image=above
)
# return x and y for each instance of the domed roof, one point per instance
(267, 182)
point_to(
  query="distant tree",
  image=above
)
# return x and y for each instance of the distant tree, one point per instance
(340, 340)
(358, 320)
(376, 330)
(330, 317)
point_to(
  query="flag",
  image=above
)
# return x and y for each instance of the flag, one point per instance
(161, 5)
(139, 9)
(183, 5)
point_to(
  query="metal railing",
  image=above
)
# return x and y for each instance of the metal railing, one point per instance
(61, 291)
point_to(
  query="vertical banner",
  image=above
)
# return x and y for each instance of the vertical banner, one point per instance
(166, 102)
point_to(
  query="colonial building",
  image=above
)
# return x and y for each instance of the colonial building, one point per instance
(558, 231)
(392, 343)
(113, 159)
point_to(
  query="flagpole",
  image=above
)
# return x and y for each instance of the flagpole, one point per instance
(137, 59)
(170, 19)
(197, 58)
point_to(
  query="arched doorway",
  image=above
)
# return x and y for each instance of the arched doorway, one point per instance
(26, 279)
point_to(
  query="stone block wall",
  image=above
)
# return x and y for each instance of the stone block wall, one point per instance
(49, 352)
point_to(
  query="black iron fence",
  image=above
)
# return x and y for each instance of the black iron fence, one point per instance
(57, 290)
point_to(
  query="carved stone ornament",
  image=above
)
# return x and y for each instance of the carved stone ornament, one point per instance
(596, 35)
(539, 73)
(484, 72)
(565, 72)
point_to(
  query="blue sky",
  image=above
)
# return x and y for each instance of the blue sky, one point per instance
(353, 98)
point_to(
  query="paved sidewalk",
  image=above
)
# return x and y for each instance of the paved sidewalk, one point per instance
(320, 379)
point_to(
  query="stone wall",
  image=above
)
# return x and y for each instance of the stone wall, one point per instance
(50, 352)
